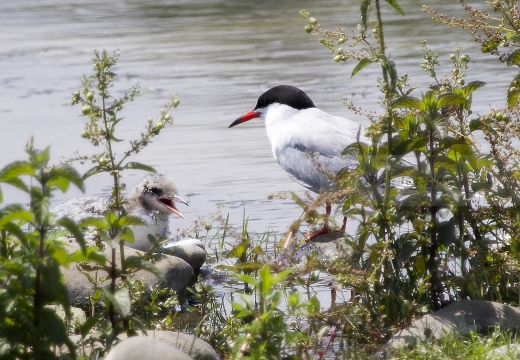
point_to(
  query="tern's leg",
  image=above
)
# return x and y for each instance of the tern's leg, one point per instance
(325, 228)
(344, 227)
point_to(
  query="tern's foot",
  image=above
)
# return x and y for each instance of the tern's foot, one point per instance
(316, 233)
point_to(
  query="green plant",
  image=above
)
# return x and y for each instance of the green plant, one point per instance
(437, 243)
(31, 253)
(265, 332)
(457, 346)
(113, 229)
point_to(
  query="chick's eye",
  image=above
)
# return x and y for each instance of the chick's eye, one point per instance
(156, 191)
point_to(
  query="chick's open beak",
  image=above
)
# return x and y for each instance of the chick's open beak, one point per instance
(170, 204)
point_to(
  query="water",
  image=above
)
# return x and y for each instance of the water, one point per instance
(218, 56)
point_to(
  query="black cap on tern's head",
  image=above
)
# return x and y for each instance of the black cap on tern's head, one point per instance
(281, 94)
(286, 95)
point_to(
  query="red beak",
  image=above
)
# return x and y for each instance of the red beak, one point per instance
(246, 117)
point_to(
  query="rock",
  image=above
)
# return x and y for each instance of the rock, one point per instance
(189, 345)
(198, 349)
(77, 315)
(142, 347)
(192, 254)
(177, 272)
(511, 351)
(183, 242)
(461, 317)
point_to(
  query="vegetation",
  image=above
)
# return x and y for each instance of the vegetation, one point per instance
(24, 299)
(456, 236)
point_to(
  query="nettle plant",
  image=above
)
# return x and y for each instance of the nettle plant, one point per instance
(31, 245)
(444, 235)
(113, 230)
(31, 254)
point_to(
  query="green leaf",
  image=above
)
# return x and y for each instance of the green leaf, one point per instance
(54, 289)
(18, 232)
(282, 275)
(10, 174)
(513, 58)
(513, 92)
(404, 147)
(39, 159)
(15, 215)
(112, 219)
(93, 222)
(135, 262)
(514, 37)
(60, 183)
(476, 124)
(396, 6)
(447, 231)
(92, 171)
(365, 6)
(64, 175)
(74, 230)
(77, 256)
(61, 255)
(120, 299)
(18, 183)
(131, 221)
(138, 166)
(515, 248)
(458, 145)
(53, 326)
(97, 256)
(91, 322)
(420, 266)
(266, 280)
(445, 100)
(408, 102)
(314, 305)
(127, 235)
(247, 279)
(470, 88)
(414, 201)
(408, 248)
(445, 163)
(239, 250)
(16, 169)
(249, 266)
(484, 162)
(361, 64)
(490, 46)
(463, 149)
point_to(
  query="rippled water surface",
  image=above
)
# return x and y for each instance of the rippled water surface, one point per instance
(218, 56)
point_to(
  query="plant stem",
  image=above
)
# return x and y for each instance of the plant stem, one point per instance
(38, 275)
(113, 275)
(432, 261)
